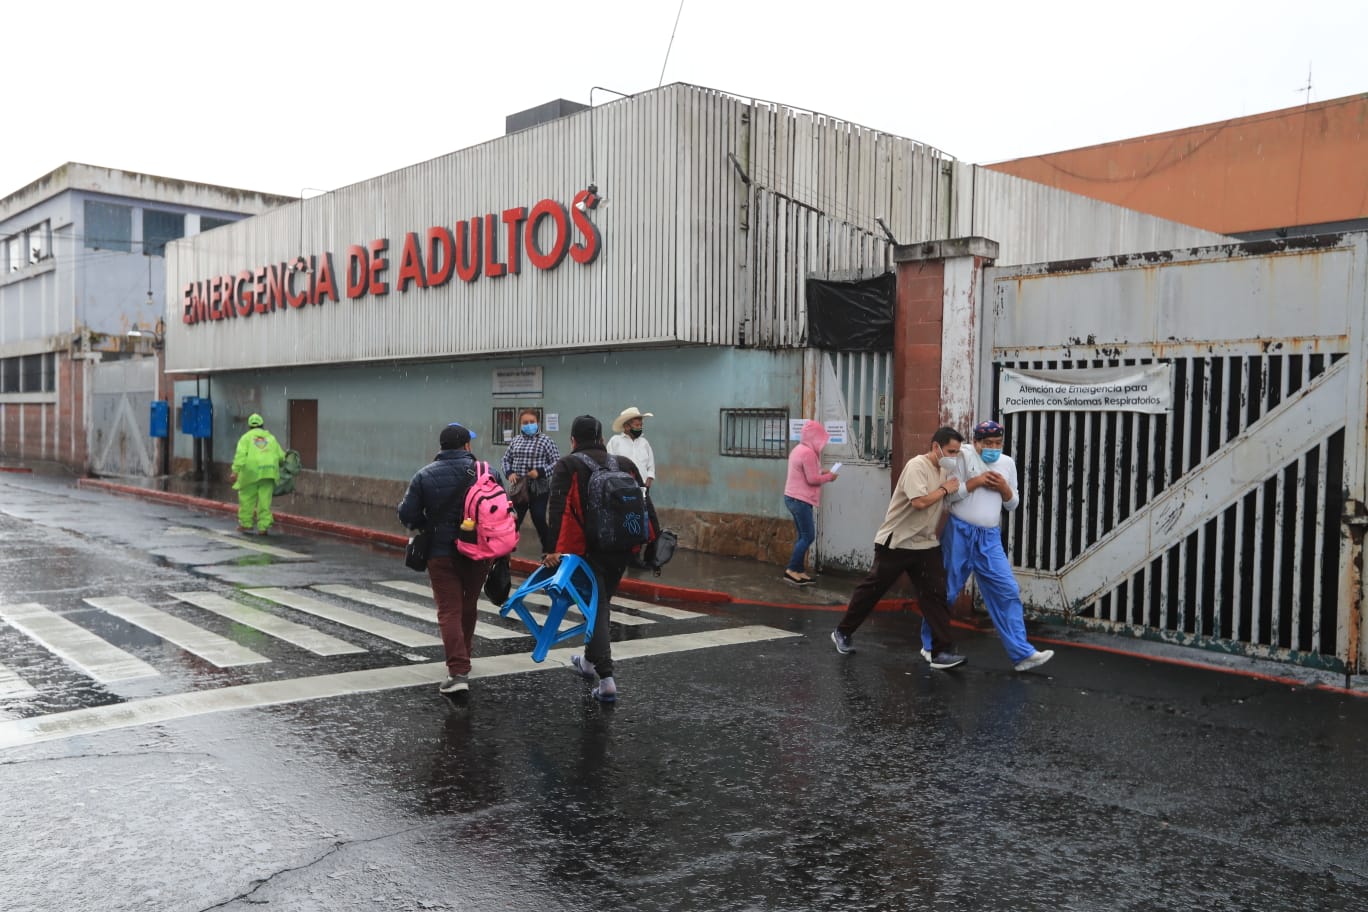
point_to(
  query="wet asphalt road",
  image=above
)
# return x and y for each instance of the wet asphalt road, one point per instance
(771, 775)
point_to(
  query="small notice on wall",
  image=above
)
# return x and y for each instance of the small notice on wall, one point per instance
(836, 432)
(796, 428)
(1147, 388)
(552, 421)
(517, 381)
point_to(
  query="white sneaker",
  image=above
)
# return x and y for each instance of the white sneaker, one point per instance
(926, 654)
(1034, 660)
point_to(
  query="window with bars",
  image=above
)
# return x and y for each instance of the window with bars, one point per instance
(756, 432)
(505, 423)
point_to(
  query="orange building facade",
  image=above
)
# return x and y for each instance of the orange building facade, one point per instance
(1297, 167)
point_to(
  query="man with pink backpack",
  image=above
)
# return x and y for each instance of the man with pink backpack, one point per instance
(462, 500)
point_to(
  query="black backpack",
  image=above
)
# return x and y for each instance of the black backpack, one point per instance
(615, 509)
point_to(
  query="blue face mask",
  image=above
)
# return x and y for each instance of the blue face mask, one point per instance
(530, 429)
(990, 456)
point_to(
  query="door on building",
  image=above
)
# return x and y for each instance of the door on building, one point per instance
(120, 442)
(304, 431)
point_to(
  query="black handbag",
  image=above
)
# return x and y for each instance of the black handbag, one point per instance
(499, 583)
(420, 543)
(517, 492)
(416, 554)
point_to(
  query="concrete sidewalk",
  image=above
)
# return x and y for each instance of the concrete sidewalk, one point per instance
(693, 576)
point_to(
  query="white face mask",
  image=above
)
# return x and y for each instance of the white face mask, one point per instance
(949, 462)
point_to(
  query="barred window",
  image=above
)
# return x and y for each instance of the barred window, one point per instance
(506, 426)
(755, 432)
(160, 227)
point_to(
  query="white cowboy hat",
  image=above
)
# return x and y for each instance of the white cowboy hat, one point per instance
(627, 415)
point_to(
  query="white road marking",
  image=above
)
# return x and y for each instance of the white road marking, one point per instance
(426, 612)
(397, 633)
(239, 540)
(626, 620)
(54, 726)
(218, 651)
(93, 656)
(674, 614)
(315, 641)
(13, 687)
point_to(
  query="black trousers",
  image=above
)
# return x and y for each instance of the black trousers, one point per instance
(924, 570)
(537, 507)
(608, 567)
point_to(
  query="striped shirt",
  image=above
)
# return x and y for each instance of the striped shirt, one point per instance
(525, 453)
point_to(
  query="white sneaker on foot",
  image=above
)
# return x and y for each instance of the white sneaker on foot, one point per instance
(1034, 660)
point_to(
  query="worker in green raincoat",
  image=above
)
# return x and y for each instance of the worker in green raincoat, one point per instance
(256, 466)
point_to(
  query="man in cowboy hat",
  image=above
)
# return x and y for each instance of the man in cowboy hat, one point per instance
(628, 441)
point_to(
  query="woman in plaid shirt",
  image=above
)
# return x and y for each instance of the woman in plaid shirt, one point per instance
(532, 453)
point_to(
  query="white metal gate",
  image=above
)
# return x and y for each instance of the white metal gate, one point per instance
(120, 417)
(855, 388)
(1236, 521)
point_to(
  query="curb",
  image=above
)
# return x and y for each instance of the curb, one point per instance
(17, 470)
(628, 586)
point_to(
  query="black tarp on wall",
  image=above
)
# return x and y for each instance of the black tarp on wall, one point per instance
(851, 316)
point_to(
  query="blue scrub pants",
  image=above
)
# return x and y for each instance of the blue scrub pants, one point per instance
(967, 549)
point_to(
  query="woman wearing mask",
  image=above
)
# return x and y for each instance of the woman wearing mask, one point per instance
(802, 494)
(532, 454)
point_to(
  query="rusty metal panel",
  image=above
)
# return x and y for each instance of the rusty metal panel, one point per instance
(1232, 522)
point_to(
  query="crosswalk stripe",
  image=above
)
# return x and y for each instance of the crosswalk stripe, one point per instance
(397, 633)
(240, 541)
(673, 614)
(485, 605)
(218, 651)
(426, 612)
(55, 726)
(93, 656)
(626, 620)
(13, 687)
(301, 635)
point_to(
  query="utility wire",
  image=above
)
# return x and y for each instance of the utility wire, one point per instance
(670, 46)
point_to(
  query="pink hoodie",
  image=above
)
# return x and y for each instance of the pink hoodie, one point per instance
(805, 475)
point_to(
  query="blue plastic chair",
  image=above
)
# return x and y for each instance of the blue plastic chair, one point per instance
(560, 585)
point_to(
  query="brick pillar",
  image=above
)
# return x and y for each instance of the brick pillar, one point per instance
(936, 321)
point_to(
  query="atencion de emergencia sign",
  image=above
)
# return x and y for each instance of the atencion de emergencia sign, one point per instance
(1099, 389)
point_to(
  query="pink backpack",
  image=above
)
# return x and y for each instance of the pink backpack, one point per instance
(490, 526)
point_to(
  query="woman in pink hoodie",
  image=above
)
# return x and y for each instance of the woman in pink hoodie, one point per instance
(803, 492)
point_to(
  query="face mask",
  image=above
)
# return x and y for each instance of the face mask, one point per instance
(948, 462)
(990, 456)
(530, 429)
(635, 432)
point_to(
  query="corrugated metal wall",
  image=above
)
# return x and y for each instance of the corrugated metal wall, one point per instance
(690, 250)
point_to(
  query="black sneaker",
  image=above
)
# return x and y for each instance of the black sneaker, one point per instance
(843, 644)
(455, 684)
(947, 660)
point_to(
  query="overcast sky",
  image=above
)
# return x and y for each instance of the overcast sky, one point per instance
(279, 96)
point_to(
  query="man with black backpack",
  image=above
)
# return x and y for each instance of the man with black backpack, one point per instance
(597, 511)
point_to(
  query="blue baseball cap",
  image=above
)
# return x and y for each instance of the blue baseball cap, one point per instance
(455, 435)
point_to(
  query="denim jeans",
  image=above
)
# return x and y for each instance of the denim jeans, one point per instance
(807, 531)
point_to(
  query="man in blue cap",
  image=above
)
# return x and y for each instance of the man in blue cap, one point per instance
(436, 499)
(256, 467)
(972, 542)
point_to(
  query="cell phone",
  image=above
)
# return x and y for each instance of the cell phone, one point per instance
(836, 466)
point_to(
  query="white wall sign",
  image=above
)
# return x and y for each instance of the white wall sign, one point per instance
(836, 432)
(1147, 388)
(517, 381)
(796, 428)
(552, 422)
